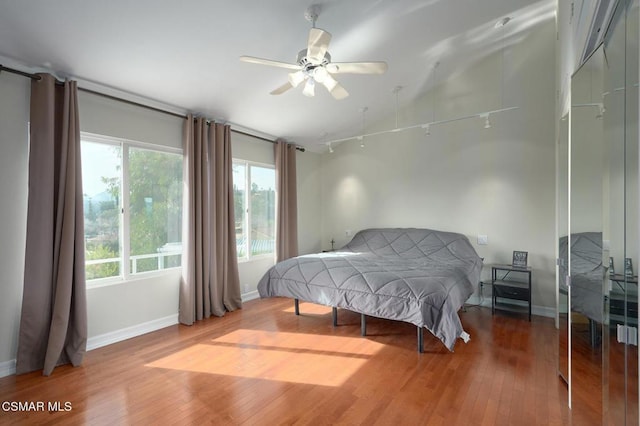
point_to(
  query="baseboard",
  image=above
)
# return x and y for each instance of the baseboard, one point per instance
(105, 339)
(542, 311)
(252, 295)
(7, 368)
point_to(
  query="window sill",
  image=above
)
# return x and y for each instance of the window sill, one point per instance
(107, 282)
(270, 256)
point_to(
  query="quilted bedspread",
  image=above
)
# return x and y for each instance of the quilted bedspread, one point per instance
(420, 276)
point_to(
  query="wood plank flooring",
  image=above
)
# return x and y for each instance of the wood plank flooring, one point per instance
(263, 365)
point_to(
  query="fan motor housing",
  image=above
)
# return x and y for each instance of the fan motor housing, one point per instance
(307, 65)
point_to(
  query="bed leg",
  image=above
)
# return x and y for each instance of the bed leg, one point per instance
(420, 340)
(363, 325)
(334, 314)
(296, 306)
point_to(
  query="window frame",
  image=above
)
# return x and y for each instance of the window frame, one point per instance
(124, 223)
(247, 213)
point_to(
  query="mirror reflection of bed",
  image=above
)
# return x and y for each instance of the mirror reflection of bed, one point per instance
(587, 319)
(587, 275)
(586, 206)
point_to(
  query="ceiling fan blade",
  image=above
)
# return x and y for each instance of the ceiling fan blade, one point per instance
(280, 90)
(357, 67)
(261, 61)
(295, 78)
(317, 45)
(335, 88)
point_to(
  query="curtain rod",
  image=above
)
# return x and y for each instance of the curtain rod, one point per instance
(126, 101)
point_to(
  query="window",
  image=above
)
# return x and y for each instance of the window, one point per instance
(255, 208)
(132, 208)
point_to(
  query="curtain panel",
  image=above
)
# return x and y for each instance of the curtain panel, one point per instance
(53, 323)
(210, 283)
(287, 201)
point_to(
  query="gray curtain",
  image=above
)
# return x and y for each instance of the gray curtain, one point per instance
(287, 203)
(53, 323)
(210, 282)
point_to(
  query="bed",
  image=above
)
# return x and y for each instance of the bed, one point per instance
(420, 276)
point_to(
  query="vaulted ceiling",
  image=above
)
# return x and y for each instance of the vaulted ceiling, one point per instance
(185, 53)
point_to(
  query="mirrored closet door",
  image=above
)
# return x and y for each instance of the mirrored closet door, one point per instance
(602, 234)
(623, 290)
(562, 204)
(620, 119)
(586, 313)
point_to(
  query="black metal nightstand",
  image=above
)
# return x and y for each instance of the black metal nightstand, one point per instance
(510, 282)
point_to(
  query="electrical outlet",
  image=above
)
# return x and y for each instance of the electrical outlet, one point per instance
(483, 240)
(347, 233)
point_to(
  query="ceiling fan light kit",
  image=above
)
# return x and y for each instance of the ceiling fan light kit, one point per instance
(309, 88)
(313, 64)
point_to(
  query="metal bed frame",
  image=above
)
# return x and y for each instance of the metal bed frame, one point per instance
(363, 324)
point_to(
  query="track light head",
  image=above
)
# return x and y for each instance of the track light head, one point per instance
(487, 122)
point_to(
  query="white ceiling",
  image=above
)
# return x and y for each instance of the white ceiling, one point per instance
(185, 53)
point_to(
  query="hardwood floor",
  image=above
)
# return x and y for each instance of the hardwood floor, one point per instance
(264, 365)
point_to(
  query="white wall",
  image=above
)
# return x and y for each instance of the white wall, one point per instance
(464, 178)
(309, 175)
(14, 115)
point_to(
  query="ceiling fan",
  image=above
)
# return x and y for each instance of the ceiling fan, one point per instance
(313, 64)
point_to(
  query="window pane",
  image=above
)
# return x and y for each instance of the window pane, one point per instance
(101, 185)
(155, 210)
(239, 189)
(263, 197)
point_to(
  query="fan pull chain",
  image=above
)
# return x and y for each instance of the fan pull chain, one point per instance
(397, 90)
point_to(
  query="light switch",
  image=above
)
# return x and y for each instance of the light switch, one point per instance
(483, 240)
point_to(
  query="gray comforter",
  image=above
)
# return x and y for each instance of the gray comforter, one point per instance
(420, 276)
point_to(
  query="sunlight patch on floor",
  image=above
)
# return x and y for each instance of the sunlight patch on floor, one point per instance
(288, 357)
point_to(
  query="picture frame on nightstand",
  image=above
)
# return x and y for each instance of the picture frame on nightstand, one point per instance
(612, 271)
(519, 259)
(628, 267)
